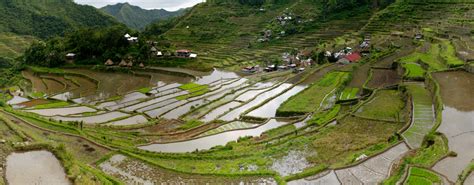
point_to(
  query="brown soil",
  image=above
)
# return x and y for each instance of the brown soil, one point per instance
(383, 78)
(34, 102)
(360, 76)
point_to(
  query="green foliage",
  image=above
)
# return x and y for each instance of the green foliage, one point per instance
(144, 90)
(323, 117)
(414, 71)
(349, 94)
(138, 18)
(191, 124)
(310, 99)
(386, 105)
(448, 53)
(48, 18)
(193, 89)
(52, 105)
(420, 176)
(91, 46)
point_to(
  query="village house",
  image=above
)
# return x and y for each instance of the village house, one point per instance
(184, 53)
(109, 62)
(70, 56)
(130, 38)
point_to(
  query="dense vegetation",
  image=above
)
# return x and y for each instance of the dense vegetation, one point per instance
(91, 46)
(136, 17)
(48, 18)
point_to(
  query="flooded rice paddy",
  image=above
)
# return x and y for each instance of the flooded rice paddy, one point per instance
(133, 171)
(101, 118)
(214, 114)
(268, 110)
(371, 171)
(62, 111)
(35, 167)
(138, 119)
(234, 114)
(458, 121)
(208, 142)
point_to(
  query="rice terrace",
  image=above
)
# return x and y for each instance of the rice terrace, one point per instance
(293, 92)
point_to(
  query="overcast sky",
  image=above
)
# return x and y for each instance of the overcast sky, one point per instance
(170, 5)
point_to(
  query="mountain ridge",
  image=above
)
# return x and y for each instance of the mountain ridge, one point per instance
(137, 17)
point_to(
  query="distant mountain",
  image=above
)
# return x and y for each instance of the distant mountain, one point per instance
(136, 17)
(44, 19)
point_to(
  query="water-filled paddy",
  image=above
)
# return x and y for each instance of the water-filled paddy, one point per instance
(133, 171)
(62, 111)
(211, 141)
(458, 121)
(101, 118)
(269, 109)
(138, 119)
(234, 114)
(219, 111)
(35, 167)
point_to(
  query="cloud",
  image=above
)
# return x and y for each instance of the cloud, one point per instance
(145, 4)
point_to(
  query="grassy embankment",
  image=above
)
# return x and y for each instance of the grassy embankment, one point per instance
(379, 109)
(193, 89)
(420, 176)
(309, 100)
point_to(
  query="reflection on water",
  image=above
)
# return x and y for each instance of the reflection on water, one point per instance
(35, 167)
(457, 124)
(269, 109)
(211, 141)
(216, 75)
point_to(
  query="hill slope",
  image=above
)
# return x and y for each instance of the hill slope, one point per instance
(136, 17)
(226, 33)
(48, 18)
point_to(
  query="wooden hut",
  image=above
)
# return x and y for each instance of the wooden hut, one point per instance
(109, 62)
(123, 63)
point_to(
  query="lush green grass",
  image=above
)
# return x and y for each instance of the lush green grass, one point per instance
(52, 105)
(386, 105)
(448, 53)
(323, 117)
(191, 124)
(193, 89)
(144, 90)
(349, 94)
(37, 95)
(351, 137)
(12, 46)
(310, 99)
(414, 70)
(46, 70)
(420, 176)
(431, 59)
(429, 155)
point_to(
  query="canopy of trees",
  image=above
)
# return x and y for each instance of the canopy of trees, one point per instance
(91, 46)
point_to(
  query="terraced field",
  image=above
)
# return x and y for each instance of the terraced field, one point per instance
(423, 115)
(368, 122)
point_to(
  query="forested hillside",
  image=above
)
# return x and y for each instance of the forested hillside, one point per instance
(44, 19)
(136, 17)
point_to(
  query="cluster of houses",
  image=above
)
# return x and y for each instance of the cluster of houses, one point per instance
(283, 20)
(344, 56)
(130, 38)
(126, 62)
(296, 62)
